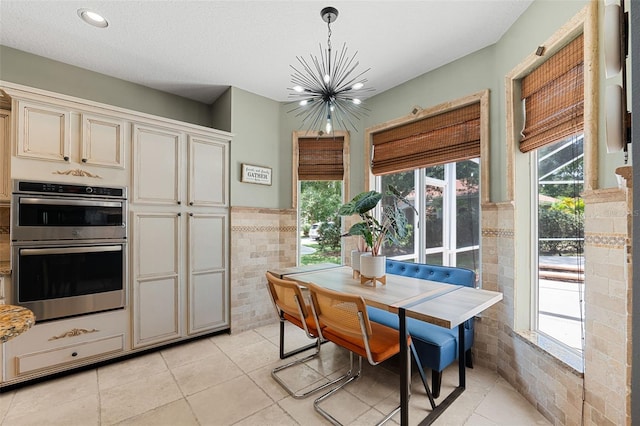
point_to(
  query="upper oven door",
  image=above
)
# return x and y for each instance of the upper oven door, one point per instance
(41, 218)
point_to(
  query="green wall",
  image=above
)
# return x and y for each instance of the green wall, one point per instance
(255, 124)
(262, 127)
(484, 69)
(36, 71)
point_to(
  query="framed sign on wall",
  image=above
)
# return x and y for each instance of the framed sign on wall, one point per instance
(256, 174)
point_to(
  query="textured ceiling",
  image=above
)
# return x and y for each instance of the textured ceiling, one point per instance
(197, 49)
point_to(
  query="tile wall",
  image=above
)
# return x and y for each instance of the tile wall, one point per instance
(549, 384)
(260, 239)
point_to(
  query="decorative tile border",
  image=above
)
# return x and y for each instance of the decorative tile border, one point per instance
(497, 232)
(259, 228)
(618, 241)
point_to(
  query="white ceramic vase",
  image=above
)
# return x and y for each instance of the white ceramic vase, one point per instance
(355, 262)
(373, 267)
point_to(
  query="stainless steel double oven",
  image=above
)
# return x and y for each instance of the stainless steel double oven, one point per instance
(69, 248)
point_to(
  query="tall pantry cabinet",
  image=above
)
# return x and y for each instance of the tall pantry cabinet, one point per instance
(180, 223)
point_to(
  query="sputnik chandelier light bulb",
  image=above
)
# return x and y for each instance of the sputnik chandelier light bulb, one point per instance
(327, 91)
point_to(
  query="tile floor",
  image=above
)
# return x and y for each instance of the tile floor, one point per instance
(225, 380)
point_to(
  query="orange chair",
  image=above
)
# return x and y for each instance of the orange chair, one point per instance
(343, 320)
(290, 306)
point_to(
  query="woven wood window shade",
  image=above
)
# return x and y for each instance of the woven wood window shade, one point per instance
(553, 96)
(444, 138)
(320, 158)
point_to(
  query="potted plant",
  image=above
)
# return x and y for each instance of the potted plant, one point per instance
(392, 228)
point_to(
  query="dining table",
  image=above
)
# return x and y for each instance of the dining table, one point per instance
(442, 304)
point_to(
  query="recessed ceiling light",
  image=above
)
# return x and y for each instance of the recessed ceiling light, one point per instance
(92, 18)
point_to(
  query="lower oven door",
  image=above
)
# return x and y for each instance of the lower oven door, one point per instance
(57, 281)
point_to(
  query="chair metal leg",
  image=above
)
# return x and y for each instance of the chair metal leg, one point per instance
(284, 354)
(274, 373)
(348, 377)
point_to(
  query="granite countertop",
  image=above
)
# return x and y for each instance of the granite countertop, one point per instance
(14, 320)
(5, 268)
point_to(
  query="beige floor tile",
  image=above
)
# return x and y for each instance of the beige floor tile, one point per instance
(375, 385)
(191, 351)
(475, 420)
(344, 406)
(205, 373)
(301, 410)
(253, 354)
(229, 342)
(5, 402)
(503, 405)
(177, 413)
(270, 416)
(228, 402)
(272, 331)
(130, 370)
(133, 398)
(41, 397)
(226, 380)
(262, 377)
(78, 412)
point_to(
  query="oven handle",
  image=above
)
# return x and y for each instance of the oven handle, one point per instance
(66, 250)
(67, 202)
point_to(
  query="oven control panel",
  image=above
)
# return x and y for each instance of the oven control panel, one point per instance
(68, 189)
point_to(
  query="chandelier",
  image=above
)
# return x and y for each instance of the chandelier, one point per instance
(327, 91)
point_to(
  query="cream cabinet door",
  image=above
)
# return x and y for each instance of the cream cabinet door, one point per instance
(5, 149)
(157, 165)
(208, 296)
(208, 174)
(102, 141)
(156, 277)
(44, 131)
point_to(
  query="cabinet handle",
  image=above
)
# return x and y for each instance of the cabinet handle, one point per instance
(84, 160)
(191, 214)
(179, 214)
(191, 203)
(179, 202)
(74, 354)
(65, 158)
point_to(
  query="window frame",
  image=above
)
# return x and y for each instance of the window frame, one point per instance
(519, 182)
(370, 180)
(295, 182)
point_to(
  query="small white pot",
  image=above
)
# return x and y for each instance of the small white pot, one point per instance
(355, 259)
(372, 267)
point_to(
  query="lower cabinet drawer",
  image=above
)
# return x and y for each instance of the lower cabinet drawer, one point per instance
(38, 360)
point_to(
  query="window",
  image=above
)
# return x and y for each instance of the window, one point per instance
(319, 180)
(552, 158)
(558, 248)
(435, 159)
(446, 229)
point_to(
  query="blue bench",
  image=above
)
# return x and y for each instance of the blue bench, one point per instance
(436, 347)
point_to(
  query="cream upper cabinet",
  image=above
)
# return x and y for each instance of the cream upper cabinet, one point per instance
(102, 141)
(167, 172)
(44, 131)
(5, 148)
(89, 145)
(157, 157)
(208, 161)
(49, 132)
